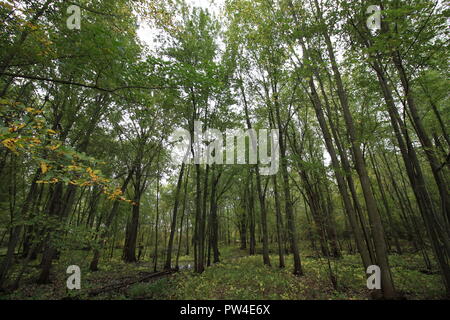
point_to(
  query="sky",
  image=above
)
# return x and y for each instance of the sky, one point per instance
(147, 33)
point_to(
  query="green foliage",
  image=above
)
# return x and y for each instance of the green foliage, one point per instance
(159, 289)
(247, 278)
(85, 117)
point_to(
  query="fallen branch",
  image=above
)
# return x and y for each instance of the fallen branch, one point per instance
(114, 287)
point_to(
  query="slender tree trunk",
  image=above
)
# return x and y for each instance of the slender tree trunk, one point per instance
(173, 225)
(292, 231)
(261, 195)
(55, 208)
(15, 233)
(374, 216)
(252, 223)
(214, 224)
(155, 268)
(183, 214)
(427, 145)
(279, 223)
(112, 214)
(392, 226)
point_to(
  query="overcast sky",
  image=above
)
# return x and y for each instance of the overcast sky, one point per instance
(147, 34)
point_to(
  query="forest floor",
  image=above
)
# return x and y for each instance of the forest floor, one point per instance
(238, 276)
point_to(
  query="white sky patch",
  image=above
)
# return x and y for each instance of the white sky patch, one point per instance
(149, 34)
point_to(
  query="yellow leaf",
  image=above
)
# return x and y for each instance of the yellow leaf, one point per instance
(54, 147)
(10, 143)
(44, 167)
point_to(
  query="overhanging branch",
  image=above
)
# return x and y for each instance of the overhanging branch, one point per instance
(83, 85)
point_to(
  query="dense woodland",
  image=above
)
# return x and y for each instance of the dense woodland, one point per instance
(86, 163)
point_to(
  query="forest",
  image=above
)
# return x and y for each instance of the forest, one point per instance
(227, 149)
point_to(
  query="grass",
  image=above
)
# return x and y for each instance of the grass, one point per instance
(238, 276)
(243, 277)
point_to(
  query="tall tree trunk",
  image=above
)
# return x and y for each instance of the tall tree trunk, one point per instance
(129, 250)
(374, 216)
(251, 210)
(54, 209)
(392, 226)
(155, 257)
(292, 231)
(427, 145)
(261, 195)
(183, 215)
(214, 220)
(112, 214)
(15, 233)
(279, 223)
(173, 225)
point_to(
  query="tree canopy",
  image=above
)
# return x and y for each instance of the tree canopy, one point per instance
(341, 159)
